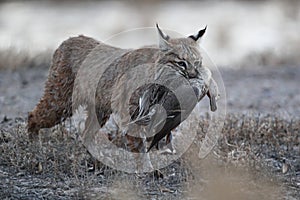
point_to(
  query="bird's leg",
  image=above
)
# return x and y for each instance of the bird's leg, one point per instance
(213, 94)
(169, 146)
(169, 138)
(143, 159)
(169, 142)
(212, 100)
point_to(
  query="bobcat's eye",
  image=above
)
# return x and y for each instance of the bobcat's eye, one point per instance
(182, 64)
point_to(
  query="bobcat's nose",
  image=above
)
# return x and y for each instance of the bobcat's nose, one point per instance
(193, 73)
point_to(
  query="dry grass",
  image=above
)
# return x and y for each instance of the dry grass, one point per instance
(249, 160)
(246, 164)
(12, 59)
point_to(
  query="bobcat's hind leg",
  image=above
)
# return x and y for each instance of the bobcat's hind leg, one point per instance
(56, 104)
(47, 115)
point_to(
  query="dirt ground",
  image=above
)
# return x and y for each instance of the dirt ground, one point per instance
(257, 156)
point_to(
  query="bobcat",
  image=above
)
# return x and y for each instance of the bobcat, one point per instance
(173, 59)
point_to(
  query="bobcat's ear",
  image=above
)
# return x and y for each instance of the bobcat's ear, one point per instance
(163, 39)
(198, 35)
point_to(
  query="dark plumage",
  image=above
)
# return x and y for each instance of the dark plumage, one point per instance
(160, 109)
(148, 113)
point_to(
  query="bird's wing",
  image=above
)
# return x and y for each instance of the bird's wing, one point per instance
(151, 96)
(157, 138)
(172, 119)
(164, 122)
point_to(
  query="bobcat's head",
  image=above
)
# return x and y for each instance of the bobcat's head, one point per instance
(182, 54)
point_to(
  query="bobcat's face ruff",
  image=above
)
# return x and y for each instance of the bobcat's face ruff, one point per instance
(181, 54)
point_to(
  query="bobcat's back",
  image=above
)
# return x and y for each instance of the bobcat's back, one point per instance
(96, 66)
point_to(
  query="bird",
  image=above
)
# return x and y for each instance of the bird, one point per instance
(161, 111)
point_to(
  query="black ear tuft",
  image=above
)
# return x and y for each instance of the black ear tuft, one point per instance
(199, 34)
(162, 34)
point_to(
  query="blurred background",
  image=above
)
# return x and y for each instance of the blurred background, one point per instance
(255, 44)
(239, 32)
